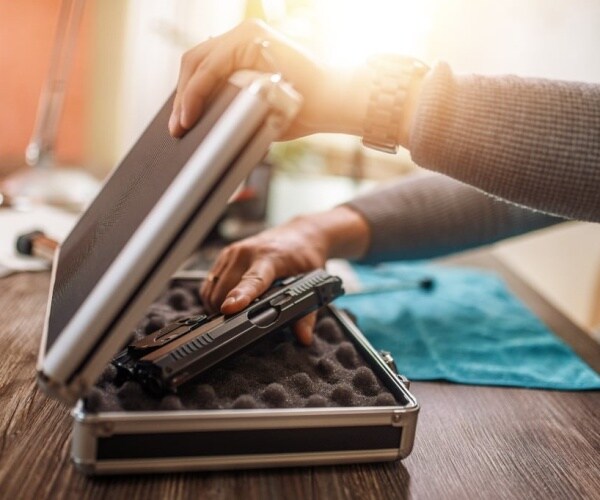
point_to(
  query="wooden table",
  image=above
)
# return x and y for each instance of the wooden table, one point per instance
(472, 442)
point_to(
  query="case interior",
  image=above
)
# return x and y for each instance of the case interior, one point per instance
(275, 372)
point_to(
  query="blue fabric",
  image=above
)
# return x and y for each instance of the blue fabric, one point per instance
(468, 329)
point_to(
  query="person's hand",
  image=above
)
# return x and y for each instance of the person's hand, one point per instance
(246, 269)
(330, 98)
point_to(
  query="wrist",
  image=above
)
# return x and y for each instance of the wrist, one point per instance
(343, 97)
(338, 233)
(344, 100)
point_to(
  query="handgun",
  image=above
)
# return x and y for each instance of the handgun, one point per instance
(182, 350)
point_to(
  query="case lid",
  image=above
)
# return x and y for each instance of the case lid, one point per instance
(151, 213)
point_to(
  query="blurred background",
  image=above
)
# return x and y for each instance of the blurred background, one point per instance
(126, 61)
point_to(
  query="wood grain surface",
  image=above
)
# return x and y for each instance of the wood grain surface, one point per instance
(472, 442)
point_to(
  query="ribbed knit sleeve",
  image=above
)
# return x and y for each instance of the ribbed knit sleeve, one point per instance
(433, 215)
(534, 142)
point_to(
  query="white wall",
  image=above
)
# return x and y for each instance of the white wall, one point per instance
(138, 50)
(543, 38)
(157, 34)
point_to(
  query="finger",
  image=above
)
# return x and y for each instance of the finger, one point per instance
(254, 283)
(304, 328)
(189, 63)
(198, 88)
(236, 49)
(229, 277)
(213, 293)
(225, 273)
(231, 54)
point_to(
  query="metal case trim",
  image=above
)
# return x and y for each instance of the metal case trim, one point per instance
(89, 428)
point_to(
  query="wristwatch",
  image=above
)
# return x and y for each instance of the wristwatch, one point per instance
(391, 77)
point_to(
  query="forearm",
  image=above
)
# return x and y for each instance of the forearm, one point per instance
(530, 141)
(434, 215)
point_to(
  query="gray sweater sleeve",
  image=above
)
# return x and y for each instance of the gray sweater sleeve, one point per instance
(430, 216)
(532, 142)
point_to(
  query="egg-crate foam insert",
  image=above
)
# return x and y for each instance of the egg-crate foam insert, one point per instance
(274, 372)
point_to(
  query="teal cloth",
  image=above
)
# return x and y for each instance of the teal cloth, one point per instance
(468, 329)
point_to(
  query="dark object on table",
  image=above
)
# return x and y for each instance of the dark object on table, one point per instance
(37, 244)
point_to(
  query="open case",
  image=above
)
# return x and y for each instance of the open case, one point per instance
(151, 214)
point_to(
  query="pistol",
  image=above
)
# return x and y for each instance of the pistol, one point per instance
(182, 350)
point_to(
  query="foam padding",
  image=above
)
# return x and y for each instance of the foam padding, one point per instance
(275, 372)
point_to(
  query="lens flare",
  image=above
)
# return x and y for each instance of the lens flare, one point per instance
(354, 30)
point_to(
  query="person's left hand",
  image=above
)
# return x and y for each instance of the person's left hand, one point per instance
(246, 269)
(205, 65)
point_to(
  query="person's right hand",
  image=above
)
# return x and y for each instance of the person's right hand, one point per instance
(326, 106)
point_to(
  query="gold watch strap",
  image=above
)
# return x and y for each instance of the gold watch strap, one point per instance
(391, 77)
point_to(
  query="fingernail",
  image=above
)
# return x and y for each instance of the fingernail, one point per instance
(229, 302)
(174, 121)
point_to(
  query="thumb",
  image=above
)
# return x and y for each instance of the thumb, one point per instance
(304, 328)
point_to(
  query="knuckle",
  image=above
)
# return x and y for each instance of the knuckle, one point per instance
(226, 251)
(186, 57)
(190, 95)
(254, 26)
(233, 252)
(245, 250)
(253, 278)
(229, 251)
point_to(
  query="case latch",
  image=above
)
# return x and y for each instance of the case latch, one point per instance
(388, 359)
